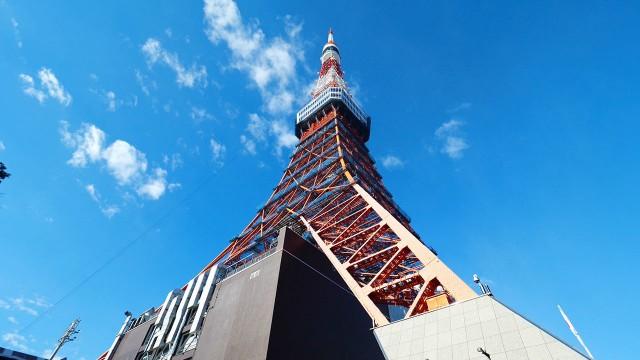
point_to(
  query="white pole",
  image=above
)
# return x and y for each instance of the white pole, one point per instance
(575, 332)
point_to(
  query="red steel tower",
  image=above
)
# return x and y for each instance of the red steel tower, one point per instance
(332, 196)
(332, 190)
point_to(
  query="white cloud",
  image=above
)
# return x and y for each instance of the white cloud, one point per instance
(194, 76)
(284, 138)
(111, 100)
(55, 90)
(218, 151)
(12, 320)
(200, 114)
(270, 64)
(29, 88)
(145, 84)
(174, 161)
(452, 141)
(16, 32)
(459, 107)
(2, 147)
(257, 127)
(91, 189)
(155, 186)
(27, 305)
(107, 210)
(20, 304)
(248, 144)
(50, 87)
(455, 146)
(124, 162)
(16, 341)
(88, 143)
(392, 162)
(110, 210)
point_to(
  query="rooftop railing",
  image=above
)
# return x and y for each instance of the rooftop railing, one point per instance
(328, 95)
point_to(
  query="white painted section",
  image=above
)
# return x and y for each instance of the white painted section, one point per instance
(177, 323)
(196, 291)
(163, 309)
(165, 324)
(204, 298)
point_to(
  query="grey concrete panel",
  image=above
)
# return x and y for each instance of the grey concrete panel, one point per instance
(130, 344)
(457, 331)
(315, 315)
(238, 321)
(289, 305)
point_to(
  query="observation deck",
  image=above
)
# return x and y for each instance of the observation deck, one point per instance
(337, 96)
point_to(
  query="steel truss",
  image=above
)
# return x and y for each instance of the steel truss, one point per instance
(332, 188)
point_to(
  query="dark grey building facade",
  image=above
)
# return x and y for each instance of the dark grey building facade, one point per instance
(288, 304)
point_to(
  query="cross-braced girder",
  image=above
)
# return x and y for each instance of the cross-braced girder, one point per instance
(332, 189)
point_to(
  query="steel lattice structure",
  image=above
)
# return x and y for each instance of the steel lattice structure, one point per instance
(332, 191)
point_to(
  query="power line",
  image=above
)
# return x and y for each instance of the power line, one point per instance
(118, 253)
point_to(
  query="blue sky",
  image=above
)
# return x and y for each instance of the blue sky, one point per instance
(506, 130)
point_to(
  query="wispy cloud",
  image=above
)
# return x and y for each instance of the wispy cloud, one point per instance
(30, 306)
(248, 144)
(16, 341)
(174, 161)
(392, 162)
(196, 75)
(108, 210)
(270, 63)
(16, 32)
(2, 147)
(460, 107)
(110, 97)
(50, 87)
(218, 151)
(284, 137)
(124, 162)
(257, 131)
(200, 114)
(146, 84)
(453, 143)
(13, 320)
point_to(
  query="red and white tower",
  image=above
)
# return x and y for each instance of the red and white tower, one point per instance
(332, 191)
(332, 196)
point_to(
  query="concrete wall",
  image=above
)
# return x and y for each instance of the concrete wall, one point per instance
(315, 315)
(457, 331)
(238, 321)
(132, 341)
(289, 305)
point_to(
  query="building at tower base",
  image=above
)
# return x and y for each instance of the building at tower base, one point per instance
(328, 257)
(288, 304)
(463, 330)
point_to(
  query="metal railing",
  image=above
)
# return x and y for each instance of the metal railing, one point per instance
(326, 96)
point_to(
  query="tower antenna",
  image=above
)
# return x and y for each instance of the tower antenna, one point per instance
(575, 332)
(68, 336)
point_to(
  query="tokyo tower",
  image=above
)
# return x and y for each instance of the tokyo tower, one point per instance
(329, 256)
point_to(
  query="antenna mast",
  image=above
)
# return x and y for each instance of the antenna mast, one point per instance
(575, 332)
(68, 336)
